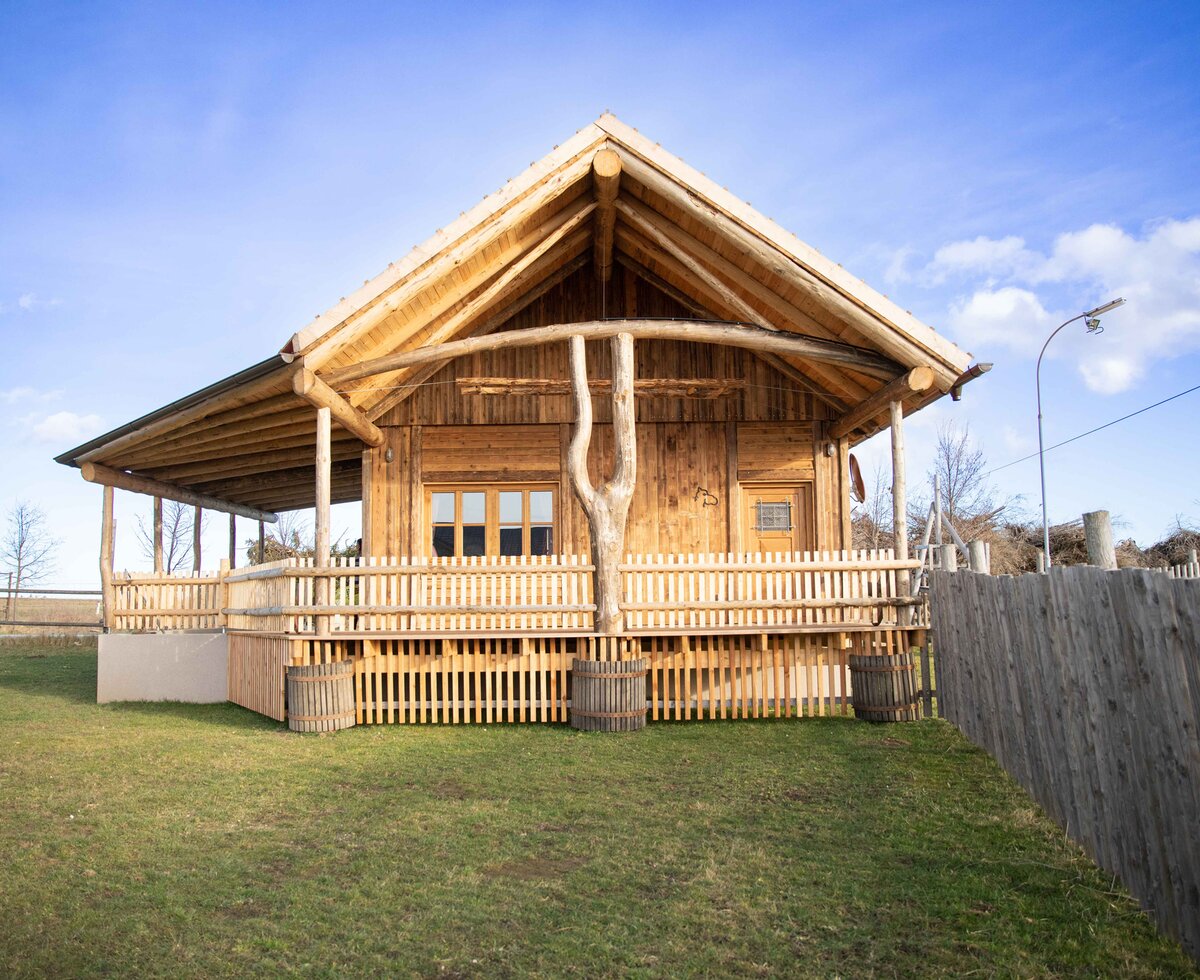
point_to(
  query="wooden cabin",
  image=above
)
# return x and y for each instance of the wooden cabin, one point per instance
(610, 399)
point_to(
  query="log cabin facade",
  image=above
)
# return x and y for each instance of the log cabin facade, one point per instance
(611, 399)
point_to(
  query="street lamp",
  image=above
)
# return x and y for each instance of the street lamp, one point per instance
(1092, 320)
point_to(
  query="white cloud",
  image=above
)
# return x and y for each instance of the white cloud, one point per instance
(67, 427)
(28, 302)
(1015, 442)
(1021, 294)
(1008, 317)
(23, 394)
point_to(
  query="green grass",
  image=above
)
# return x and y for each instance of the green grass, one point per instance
(205, 840)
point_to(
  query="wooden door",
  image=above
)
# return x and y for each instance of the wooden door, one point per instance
(778, 518)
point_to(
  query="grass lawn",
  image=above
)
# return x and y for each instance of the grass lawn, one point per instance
(205, 840)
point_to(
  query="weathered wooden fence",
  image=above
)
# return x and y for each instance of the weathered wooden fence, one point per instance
(1085, 685)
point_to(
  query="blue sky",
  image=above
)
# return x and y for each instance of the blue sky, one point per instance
(183, 187)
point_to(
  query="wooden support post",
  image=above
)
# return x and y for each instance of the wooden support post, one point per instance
(233, 540)
(1097, 530)
(1041, 562)
(197, 526)
(606, 507)
(980, 560)
(107, 533)
(223, 590)
(606, 177)
(900, 506)
(321, 557)
(262, 542)
(158, 536)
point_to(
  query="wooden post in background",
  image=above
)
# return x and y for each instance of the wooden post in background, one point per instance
(979, 559)
(1097, 530)
(158, 536)
(1041, 562)
(197, 523)
(233, 540)
(949, 557)
(262, 542)
(900, 507)
(107, 532)
(321, 557)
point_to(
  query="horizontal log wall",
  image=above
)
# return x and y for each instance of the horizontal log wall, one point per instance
(1085, 685)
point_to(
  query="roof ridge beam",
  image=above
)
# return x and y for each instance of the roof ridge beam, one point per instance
(606, 178)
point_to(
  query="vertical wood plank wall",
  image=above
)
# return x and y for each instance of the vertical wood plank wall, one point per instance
(668, 515)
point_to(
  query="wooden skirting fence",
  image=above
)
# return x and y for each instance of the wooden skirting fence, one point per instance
(546, 594)
(257, 668)
(502, 679)
(1085, 685)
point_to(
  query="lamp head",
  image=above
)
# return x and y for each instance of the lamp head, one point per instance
(1101, 310)
(1093, 325)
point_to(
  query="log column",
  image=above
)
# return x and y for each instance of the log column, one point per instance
(606, 507)
(107, 531)
(158, 536)
(900, 506)
(321, 556)
(197, 526)
(233, 540)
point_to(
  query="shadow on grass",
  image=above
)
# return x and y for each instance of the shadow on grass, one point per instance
(66, 677)
(223, 715)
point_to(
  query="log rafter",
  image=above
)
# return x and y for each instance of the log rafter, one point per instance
(918, 380)
(108, 477)
(674, 264)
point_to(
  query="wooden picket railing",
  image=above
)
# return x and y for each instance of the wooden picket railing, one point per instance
(167, 601)
(773, 591)
(813, 592)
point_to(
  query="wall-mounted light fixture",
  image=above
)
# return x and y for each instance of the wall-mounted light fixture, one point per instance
(388, 455)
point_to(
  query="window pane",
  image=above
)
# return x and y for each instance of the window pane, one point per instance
(541, 540)
(443, 542)
(510, 541)
(473, 508)
(443, 508)
(474, 539)
(510, 508)
(541, 506)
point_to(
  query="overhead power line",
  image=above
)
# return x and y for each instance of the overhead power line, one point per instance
(1089, 432)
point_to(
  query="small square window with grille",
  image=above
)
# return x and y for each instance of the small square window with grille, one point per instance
(772, 515)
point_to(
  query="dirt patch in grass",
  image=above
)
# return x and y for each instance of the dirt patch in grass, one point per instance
(534, 868)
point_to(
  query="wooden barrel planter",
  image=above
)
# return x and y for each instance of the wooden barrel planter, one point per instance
(884, 687)
(608, 695)
(320, 697)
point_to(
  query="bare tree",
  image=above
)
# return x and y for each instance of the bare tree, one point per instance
(871, 520)
(178, 520)
(27, 548)
(292, 537)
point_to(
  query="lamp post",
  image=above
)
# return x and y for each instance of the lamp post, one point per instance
(1092, 319)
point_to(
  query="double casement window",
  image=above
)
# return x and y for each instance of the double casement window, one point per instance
(502, 520)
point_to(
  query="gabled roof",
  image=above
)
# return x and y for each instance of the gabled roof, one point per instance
(249, 438)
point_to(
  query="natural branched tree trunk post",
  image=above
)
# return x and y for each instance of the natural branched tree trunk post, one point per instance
(606, 506)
